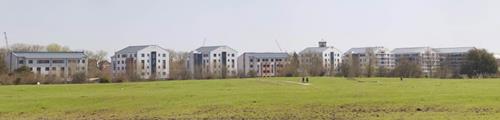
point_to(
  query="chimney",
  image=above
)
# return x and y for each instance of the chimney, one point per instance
(322, 43)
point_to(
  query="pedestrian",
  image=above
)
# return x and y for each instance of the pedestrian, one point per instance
(307, 79)
(401, 78)
(303, 79)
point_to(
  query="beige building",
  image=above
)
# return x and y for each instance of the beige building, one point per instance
(377, 57)
(328, 56)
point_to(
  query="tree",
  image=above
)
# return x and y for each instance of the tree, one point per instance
(27, 47)
(178, 68)
(407, 68)
(372, 62)
(292, 66)
(479, 63)
(57, 48)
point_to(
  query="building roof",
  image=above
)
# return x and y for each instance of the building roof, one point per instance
(410, 50)
(454, 50)
(135, 49)
(266, 54)
(363, 50)
(205, 49)
(54, 55)
(317, 49)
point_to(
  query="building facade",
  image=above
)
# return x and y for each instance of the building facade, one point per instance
(426, 57)
(263, 64)
(381, 56)
(452, 59)
(328, 57)
(213, 62)
(147, 62)
(58, 64)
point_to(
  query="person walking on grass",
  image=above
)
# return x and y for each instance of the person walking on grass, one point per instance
(303, 80)
(307, 79)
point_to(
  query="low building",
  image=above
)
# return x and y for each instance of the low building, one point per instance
(147, 62)
(452, 59)
(59, 64)
(264, 64)
(426, 57)
(377, 58)
(213, 62)
(327, 56)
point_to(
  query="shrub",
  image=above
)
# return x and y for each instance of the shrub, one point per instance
(79, 77)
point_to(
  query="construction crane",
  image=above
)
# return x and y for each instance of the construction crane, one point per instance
(278, 44)
(6, 40)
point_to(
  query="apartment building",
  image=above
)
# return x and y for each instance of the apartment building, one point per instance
(147, 61)
(59, 64)
(426, 57)
(261, 64)
(213, 62)
(379, 57)
(329, 56)
(453, 58)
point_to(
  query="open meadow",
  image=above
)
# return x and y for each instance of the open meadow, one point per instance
(258, 98)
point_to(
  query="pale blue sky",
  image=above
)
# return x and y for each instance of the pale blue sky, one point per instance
(252, 25)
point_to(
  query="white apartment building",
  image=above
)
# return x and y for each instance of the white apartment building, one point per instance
(264, 64)
(59, 64)
(147, 61)
(453, 58)
(330, 56)
(213, 61)
(381, 57)
(426, 57)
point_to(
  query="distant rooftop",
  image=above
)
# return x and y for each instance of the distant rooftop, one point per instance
(410, 50)
(363, 50)
(210, 48)
(54, 55)
(134, 49)
(266, 54)
(454, 50)
(317, 49)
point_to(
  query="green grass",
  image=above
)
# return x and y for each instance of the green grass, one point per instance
(265, 98)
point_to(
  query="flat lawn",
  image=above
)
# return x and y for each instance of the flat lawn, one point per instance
(263, 98)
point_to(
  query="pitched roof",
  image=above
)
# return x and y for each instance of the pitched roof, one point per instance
(266, 54)
(209, 48)
(454, 50)
(54, 55)
(317, 49)
(410, 50)
(134, 49)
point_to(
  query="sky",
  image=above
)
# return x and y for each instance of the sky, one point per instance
(252, 25)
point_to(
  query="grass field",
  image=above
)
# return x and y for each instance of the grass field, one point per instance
(264, 98)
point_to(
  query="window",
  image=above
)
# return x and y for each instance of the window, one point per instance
(62, 68)
(38, 69)
(30, 61)
(83, 61)
(58, 61)
(232, 55)
(124, 55)
(142, 64)
(54, 68)
(21, 61)
(164, 64)
(142, 55)
(43, 61)
(164, 55)
(47, 69)
(215, 55)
